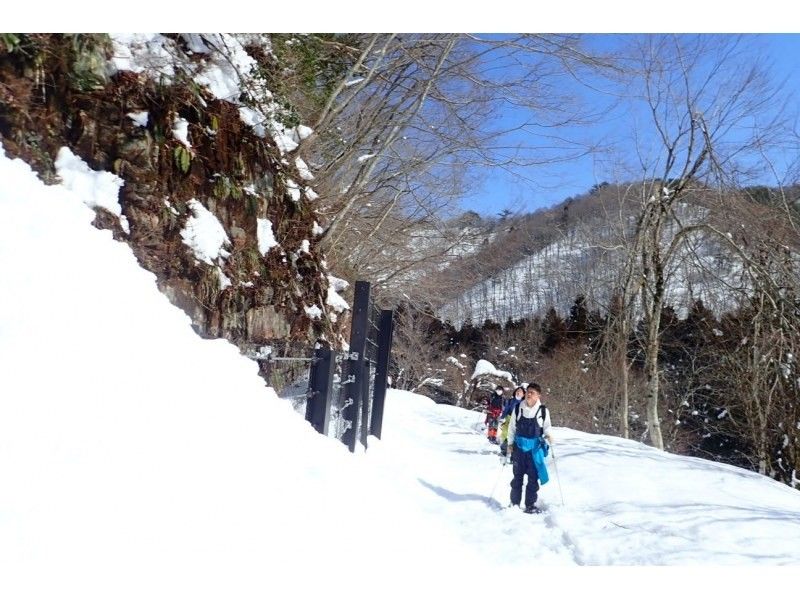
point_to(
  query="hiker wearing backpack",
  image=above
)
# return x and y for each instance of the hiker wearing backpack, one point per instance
(493, 409)
(505, 417)
(528, 435)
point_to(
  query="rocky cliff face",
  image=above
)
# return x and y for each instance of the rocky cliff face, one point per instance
(194, 141)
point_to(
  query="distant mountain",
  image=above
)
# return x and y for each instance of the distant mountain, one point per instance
(579, 247)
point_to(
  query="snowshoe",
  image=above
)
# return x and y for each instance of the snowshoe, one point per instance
(533, 509)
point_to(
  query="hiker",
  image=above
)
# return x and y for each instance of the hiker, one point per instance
(505, 417)
(528, 429)
(494, 407)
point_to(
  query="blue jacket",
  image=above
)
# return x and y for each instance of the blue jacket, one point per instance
(539, 450)
(509, 408)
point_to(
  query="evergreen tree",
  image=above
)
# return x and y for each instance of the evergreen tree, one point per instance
(554, 330)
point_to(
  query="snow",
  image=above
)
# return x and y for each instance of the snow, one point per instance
(221, 73)
(354, 81)
(365, 157)
(486, 368)
(170, 207)
(140, 118)
(302, 167)
(301, 132)
(317, 230)
(204, 234)
(314, 312)
(266, 238)
(293, 190)
(180, 130)
(624, 503)
(225, 70)
(334, 299)
(195, 43)
(97, 189)
(456, 362)
(284, 141)
(311, 195)
(224, 281)
(149, 53)
(253, 119)
(137, 459)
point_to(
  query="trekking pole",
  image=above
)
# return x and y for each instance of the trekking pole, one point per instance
(497, 480)
(555, 466)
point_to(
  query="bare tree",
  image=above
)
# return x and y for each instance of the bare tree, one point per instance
(698, 91)
(404, 130)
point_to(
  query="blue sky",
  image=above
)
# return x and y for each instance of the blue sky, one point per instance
(526, 189)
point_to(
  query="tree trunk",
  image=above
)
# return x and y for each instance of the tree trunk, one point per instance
(623, 371)
(651, 371)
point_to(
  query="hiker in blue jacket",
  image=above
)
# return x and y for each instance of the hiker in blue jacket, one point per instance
(505, 417)
(528, 435)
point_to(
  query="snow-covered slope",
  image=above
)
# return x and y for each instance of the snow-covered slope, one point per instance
(588, 261)
(138, 460)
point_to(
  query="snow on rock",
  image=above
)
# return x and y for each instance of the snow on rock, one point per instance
(293, 190)
(224, 281)
(317, 230)
(254, 119)
(313, 312)
(305, 246)
(485, 368)
(311, 195)
(284, 142)
(301, 132)
(456, 362)
(170, 207)
(96, 188)
(225, 67)
(266, 238)
(262, 125)
(180, 130)
(305, 173)
(365, 157)
(225, 70)
(334, 299)
(205, 234)
(149, 53)
(195, 43)
(140, 118)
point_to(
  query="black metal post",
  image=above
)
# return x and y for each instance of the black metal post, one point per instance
(320, 386)
(385, 329)
(354, 372)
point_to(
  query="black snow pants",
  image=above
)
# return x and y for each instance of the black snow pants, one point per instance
(524, 465)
